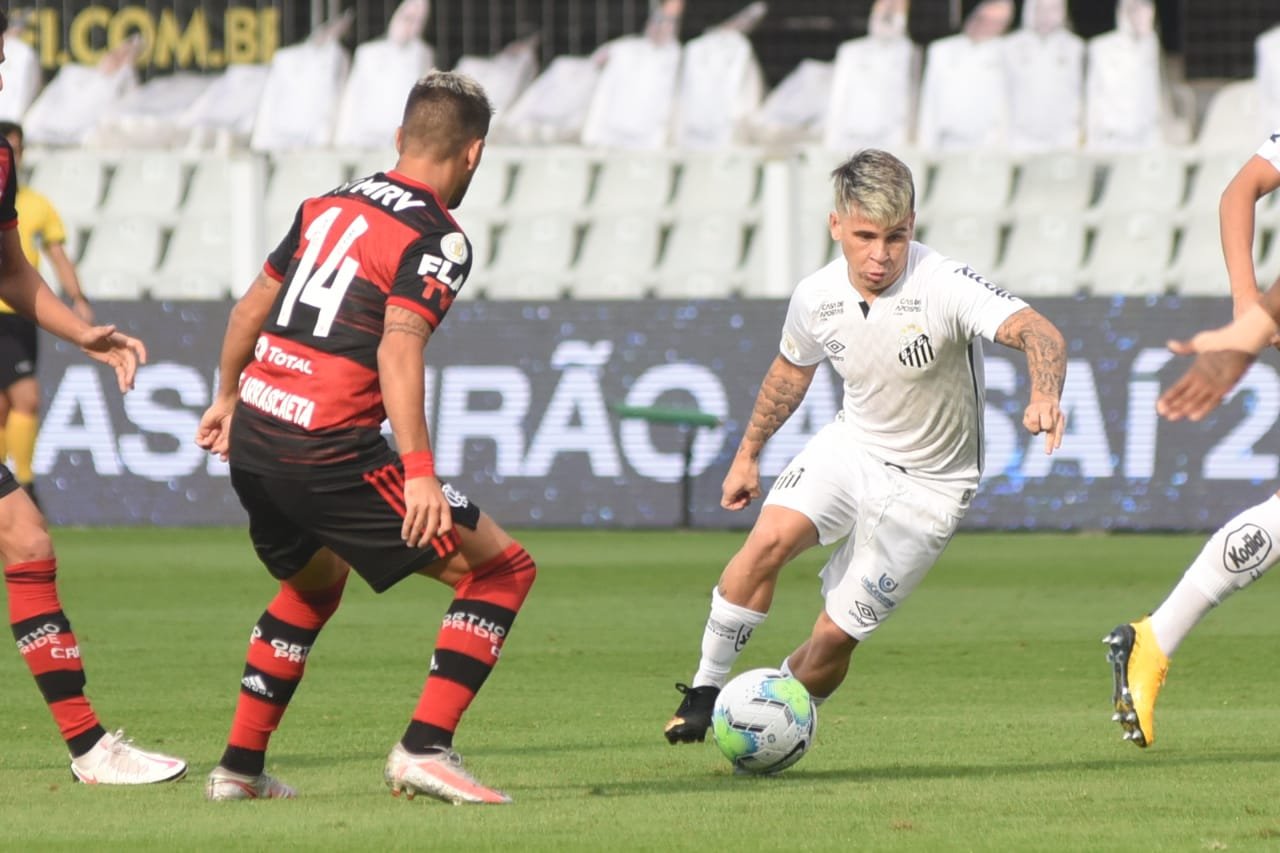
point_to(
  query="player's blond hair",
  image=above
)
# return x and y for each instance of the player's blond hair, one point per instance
(445, 112)
(876, 185)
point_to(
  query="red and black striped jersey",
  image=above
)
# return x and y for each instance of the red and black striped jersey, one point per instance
(311, 397)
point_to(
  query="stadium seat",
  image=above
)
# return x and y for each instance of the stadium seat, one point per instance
(1061, 182)
(210, 191)
(724, 180)
(701, 259)
(551, 179)
(372, 161)
(490, 186)
(146, 186)
(969, 182)
(74, 180)
(120, 257)
(630, 181)
(1043, 255)
(1149, 180)
(618, 257)
(196, 264)
(479, 229)
(1199, 268)
(1130, 255)
(532, 255)
(755, 283)
(1233, 121)
(972, 239)
(297, 176)
(1212, 172)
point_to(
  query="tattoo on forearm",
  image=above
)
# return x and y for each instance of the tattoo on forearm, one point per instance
(779, 396)
(1046, 363)
(1045, 349)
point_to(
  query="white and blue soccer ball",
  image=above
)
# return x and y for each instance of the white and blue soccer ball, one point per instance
(764, 721)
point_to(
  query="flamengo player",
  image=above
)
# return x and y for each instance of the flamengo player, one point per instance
(328, 342)
(40, 627)
(894, 473)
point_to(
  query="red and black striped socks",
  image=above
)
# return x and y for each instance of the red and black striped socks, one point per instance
(467, 648)
(47, 644)
(278, 651)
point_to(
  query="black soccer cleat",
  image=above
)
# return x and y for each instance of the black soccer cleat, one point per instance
(693, 717)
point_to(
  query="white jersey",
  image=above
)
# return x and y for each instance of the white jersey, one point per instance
(911, 362)
(1270, 150)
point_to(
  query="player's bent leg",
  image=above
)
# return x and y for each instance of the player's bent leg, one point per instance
(491, 575)
(739, 604)
(41, 629)
(1236, 555)
(822, 661)
(779, 535)
(275, 662)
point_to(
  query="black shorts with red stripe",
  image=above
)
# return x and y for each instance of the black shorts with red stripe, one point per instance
(359, 517)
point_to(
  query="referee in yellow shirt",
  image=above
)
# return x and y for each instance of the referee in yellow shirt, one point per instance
(40, 229)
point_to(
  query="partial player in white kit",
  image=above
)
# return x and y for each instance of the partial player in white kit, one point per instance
(894, 473)
(1240, 551)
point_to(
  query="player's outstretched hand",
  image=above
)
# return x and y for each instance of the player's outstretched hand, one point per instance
(121, 352)
(1043, 417)
(426, 512)
(1206, 383)
(214, 431)
(741, 485)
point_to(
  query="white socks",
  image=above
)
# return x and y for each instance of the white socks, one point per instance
(728, 629)
(1234, 557)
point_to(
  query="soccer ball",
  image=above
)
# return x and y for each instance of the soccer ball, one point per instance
(764, 721)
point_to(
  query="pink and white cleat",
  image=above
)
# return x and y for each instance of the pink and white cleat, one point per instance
(225, 785)
(114, 760)
(438, 774)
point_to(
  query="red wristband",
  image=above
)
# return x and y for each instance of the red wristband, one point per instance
(419, 463)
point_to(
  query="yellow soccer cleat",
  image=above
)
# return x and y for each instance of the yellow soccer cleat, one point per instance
(1139, 668)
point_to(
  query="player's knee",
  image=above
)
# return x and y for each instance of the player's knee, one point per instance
(767, 550)
(26, 540)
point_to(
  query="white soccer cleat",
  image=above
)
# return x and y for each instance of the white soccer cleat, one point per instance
(114, 760)
(225, 785)
(438, 774)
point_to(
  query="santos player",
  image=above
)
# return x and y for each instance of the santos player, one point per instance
(1243, 548)
(894, 473)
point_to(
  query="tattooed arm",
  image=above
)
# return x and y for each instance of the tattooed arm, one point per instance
(1029, 331)
(780, 394)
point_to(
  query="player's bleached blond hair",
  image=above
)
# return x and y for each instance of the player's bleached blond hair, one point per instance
(445, 112)
(876, 185)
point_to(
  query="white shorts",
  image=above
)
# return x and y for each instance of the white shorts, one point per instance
(896, 525)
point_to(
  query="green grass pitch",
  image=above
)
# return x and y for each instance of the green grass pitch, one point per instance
(977, 719)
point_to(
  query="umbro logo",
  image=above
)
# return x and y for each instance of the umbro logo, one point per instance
(834, 348)
(863, 613)
(257, 684)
